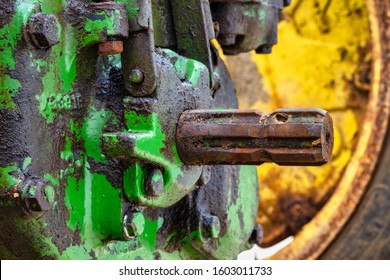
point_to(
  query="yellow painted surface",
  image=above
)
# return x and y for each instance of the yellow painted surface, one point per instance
(321, 48)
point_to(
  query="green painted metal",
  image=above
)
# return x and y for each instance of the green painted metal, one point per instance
(78, 134)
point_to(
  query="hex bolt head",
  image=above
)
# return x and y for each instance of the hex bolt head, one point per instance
(210, 226)
(34, 198)
(133, 225)
(257, 235)
(154, 182)
(43, 30)
(137, 76)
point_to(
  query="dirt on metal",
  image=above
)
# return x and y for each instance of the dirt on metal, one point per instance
(285, 137)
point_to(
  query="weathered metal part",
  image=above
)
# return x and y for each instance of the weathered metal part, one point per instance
(139, 50)
(32, 195)
(117, 28)
(246, 25)
(43, 30)
(110, 47)
(221, 210)
(163, 26)
(55, 108)
(194, 30)
(286, 137)
(137, 76)
(151, 125)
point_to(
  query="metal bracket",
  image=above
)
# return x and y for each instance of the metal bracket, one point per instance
(246, 25)
(194, 30)
(138, 60)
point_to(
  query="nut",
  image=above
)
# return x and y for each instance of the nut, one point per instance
(33, 196)
(43, 30)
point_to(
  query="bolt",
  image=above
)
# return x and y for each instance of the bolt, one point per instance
(133, 224)
(257, 235)
(210, 226)
(43, 30)
(137, 76)
(110, 47)
(227, 39)
(33, 196)
(154, 182)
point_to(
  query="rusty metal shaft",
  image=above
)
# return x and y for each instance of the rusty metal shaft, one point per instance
(285, 137)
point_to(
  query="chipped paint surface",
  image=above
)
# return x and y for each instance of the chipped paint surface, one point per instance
(57, 105)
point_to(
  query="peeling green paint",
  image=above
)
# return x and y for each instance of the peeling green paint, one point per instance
(94, 206)
(102, 24)
(133, 182)
(132, 8)
(262, 17)
(52, 179)
(74, 200)
(149, 236)
(10, 35)
(188, 69)
(8, 88)
(26, 162)
(6, 179)
(92, 130)
(245, 208)
(250, 13)
(50, 194)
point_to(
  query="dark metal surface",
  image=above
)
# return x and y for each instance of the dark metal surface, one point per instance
(246, 25)
(194, 30)
(163, 27)
(286, 137)
(43, 30)
(139, 52)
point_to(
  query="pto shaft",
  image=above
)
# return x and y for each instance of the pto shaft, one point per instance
(285, 137)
